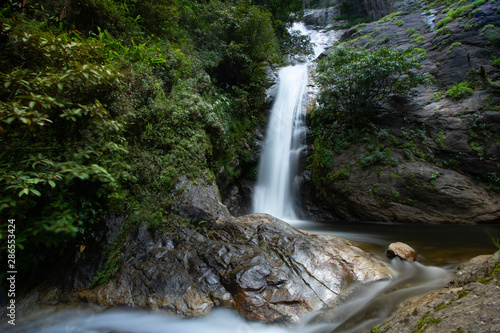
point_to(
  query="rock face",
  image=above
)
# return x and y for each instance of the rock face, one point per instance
(256, 264)
(469, 303)
(434, 158)
(321, 17)
(401, 250)
(200, 200)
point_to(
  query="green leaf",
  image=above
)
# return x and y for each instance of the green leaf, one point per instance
(23, 191)
(52, 183)
(35, 192)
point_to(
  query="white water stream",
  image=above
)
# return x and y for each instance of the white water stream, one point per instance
(277, 189)
(371, 307)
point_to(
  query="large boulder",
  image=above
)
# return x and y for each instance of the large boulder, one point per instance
(256, 264)
(321, 17)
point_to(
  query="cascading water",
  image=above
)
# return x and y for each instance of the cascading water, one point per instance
(276, 187)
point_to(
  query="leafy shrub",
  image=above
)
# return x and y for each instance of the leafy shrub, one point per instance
(496, 62)
(63, 159)
(443, 31)
(356, 81)
(417, 38)
(378, 157)
(459, 91)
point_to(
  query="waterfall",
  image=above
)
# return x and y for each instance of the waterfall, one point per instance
(277, 186)
(277, 189)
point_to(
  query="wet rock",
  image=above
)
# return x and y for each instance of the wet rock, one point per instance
(471, 271)
(321, 17)
(402, 251)
(199, 200)
(465, 305)
(88, 260)
(256, 264)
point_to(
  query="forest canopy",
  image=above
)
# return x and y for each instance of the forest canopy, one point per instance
(105, 103)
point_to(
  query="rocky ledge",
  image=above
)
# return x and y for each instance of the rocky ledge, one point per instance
(469, 303)
(259, 265)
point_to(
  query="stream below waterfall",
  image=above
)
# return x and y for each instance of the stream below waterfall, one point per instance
(441, 247)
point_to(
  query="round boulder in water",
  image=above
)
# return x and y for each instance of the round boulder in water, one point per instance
(401, 250)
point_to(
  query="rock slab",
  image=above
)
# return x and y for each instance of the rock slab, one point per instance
(259, 265)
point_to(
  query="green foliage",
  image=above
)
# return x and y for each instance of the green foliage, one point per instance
(356, 81)
(58, 105)
(491, 33)
(438, 96)
(459, 91)
(389, 17)
(63, 153)
(443, 31)
(417, 38)
(425, 322)
(496, 62)
(455, 44)
(378, 156)
(105, 104)
(492, 181)
(458, 11)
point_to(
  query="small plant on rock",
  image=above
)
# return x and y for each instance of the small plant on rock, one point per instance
(459, 91)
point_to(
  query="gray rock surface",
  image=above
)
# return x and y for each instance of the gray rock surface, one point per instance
(470, 303)
(321, 17)
(441, 155)
(256, 264)
(200, 200)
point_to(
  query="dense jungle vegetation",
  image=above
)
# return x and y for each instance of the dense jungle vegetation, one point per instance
(105, 103)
